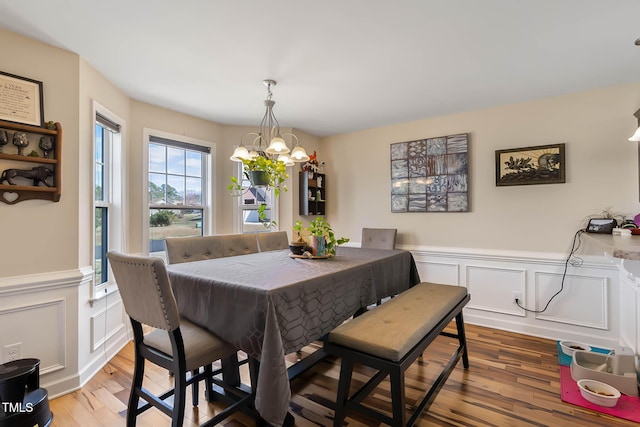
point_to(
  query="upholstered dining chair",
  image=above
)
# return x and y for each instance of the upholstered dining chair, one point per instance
(379, 238)
(187, 249)
(273, 241)
(174, 343)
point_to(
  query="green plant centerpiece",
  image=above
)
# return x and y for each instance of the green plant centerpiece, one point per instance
(322, 238)
(261, 171)
(298, 244)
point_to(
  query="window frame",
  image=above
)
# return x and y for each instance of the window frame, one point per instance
(112, 200)
(240, 208)
(208, 177)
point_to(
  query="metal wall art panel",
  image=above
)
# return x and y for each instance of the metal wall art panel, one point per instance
(430, 175)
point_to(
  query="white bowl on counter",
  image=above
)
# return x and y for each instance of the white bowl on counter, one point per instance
(569, 347)
(599, 393)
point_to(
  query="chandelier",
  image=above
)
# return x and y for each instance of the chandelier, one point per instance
(269, 133)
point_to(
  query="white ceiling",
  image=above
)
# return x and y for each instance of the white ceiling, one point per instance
(341, 65)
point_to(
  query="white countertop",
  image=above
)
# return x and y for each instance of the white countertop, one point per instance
(625, 247)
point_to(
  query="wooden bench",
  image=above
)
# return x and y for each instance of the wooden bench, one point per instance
(390, 338)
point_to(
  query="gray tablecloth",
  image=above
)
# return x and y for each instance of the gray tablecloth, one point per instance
(269, 304)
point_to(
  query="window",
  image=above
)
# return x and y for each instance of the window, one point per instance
(106, 190)
(250, 200)
(177, 190)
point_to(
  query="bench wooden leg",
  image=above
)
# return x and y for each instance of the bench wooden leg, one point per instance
(463, 340)
(396, 377)
(346, 371)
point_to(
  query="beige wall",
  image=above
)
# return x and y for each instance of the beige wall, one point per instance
(40, 236)
(601, 170)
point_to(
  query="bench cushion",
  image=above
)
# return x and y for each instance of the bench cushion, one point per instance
(390, 330)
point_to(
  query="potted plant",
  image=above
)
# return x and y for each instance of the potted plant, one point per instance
(298, 244)
(322, 239)
(261, 171)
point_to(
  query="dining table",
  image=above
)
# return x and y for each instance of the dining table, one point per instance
(270, 304)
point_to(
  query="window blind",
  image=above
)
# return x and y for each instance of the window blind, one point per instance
(179, 144)
(107, 123)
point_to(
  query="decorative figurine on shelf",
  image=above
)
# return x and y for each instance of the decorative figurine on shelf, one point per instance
(312, 164)
(50, 125)
(37, 174)
(319, 180)
(20, 140)
(33, 153)
(46, 145)
(4, 139)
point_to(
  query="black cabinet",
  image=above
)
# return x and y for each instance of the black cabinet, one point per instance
(312, 193)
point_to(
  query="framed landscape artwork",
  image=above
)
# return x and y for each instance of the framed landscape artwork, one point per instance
(543, 164)
(430, 175)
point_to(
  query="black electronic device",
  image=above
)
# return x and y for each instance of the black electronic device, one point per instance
(601, 225)
(24, 402)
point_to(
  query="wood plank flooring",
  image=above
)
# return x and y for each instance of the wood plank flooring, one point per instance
(513, 380)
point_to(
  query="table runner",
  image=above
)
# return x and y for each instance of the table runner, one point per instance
(268, 304)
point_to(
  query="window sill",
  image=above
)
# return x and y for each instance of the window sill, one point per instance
(107, 290)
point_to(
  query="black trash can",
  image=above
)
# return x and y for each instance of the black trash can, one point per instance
(22, 402)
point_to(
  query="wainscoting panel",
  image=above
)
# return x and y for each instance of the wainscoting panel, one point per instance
(590, 292)
(106, 323)
(587, 309)
(629, 296)
(492, 288)
(42, 339)
(439, 272)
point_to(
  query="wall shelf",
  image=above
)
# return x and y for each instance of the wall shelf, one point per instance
(312, 197)
(9, 159)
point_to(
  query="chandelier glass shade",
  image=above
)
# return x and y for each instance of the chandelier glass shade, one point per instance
(269, 140)
(635, 136)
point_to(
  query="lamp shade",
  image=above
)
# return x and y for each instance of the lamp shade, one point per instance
(286, 159)
(636, 135)
(240, 153)
(277, 146)
(299, 155)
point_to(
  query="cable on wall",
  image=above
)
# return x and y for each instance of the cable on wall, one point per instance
(571, 259)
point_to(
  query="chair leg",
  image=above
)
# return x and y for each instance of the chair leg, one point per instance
(208, 381)
(194, 388)
(344, 383)
(177, 418)
(134, 397)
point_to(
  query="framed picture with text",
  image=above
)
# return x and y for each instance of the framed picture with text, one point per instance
(21, 100)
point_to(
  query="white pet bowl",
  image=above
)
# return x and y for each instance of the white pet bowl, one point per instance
(599, 393)
(569, 347)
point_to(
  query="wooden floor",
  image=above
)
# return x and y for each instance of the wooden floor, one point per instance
(513, 380)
